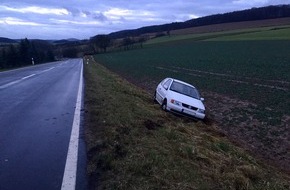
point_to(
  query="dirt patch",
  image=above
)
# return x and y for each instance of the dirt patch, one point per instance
(151, 125)
(236, 119)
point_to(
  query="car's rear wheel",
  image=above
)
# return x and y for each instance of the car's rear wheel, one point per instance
(164, 105)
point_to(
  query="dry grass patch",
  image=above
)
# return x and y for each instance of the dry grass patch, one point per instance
(132, 144)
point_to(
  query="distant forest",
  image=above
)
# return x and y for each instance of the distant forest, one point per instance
(262, 13)
(18, 55)
(7, 40)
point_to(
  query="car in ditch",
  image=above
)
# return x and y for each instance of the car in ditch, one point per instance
(180, 97)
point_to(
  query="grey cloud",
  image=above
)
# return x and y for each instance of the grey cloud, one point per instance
(276, 2)
(73, 11)
(88, 13)
(100, 17)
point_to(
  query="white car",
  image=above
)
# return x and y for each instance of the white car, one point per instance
(180, 97)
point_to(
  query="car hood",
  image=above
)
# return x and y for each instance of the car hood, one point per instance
(186, 99)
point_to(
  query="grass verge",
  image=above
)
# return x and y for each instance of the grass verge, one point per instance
(132, 144)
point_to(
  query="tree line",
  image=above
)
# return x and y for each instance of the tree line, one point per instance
(21, 54)
(269, 12)
(100, 43)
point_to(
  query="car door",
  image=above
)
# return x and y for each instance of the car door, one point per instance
(162, 89)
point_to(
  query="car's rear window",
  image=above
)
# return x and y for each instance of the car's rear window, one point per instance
(185, 90)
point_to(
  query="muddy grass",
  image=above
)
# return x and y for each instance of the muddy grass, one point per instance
(239, 120)
(236, 118)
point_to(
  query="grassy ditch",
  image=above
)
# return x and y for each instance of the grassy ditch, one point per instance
(245, 84)
(132, 144)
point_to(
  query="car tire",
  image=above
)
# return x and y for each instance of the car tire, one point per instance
(154, 97)
(164, 105)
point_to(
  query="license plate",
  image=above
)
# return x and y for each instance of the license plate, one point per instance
(188, 112)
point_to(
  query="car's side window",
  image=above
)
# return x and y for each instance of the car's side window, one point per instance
(166, 84)
(163, 81)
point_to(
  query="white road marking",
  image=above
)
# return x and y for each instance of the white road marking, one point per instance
(28, 76)
(46, 70)
(70, 172)
(10, 84)
(23, 78)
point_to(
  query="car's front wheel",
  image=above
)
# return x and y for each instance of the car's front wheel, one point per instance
(154, 97)
(164, 105)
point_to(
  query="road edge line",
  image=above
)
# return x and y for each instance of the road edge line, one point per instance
(70, 172)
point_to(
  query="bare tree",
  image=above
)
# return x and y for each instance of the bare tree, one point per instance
(102, 41)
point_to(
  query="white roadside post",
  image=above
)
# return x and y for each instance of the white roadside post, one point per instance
(32, 61)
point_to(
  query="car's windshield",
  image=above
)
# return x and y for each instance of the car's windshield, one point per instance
(185, 90)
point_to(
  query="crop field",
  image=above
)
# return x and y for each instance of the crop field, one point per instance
(263, 33)
(245, 25)
(245, 83)
(273, 33)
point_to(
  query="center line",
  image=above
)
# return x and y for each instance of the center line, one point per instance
(16, 81)
(23, 78)
(28, 76)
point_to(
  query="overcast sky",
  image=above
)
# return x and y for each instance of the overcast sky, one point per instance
(82, 19)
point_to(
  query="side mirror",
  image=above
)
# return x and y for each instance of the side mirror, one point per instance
(202, 99)
(166, 87)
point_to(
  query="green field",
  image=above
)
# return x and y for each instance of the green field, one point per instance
(269, 34)
(215, 66)
(246, 83)
(265, 33)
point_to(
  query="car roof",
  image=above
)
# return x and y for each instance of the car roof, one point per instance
(181, 81)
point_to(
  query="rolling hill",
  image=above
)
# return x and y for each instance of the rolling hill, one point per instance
(7, 40)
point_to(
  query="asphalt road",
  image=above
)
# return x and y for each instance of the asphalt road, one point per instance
(37, 106)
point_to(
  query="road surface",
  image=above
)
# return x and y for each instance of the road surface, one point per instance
(37, 112)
